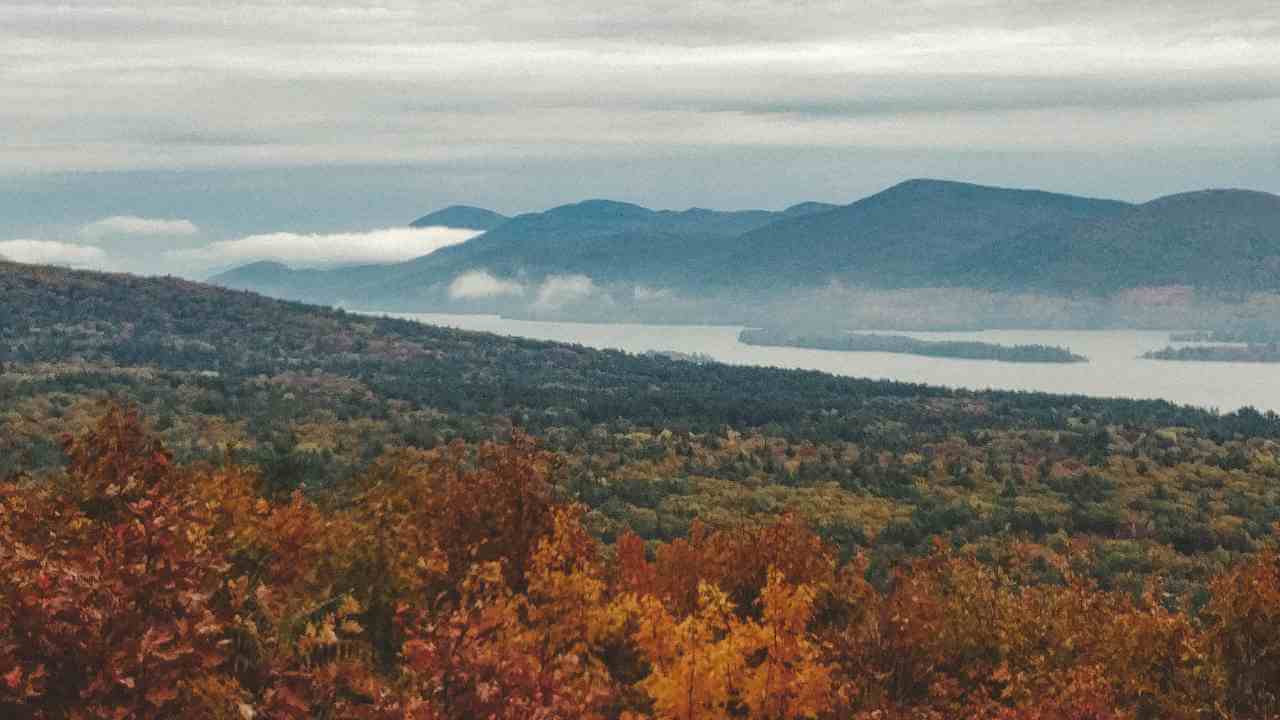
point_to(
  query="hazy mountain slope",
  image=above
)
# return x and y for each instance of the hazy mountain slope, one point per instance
(1217, 239)
(808, 208)
(910, 234)
(276, 279)
(607, 240)
(267, 277)
(461, 216)
(333, 285)
(920, 233)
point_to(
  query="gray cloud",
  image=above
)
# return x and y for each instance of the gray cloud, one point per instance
(133, 226)
(707, 22)
(482, 284)
(557, 291)
(369, 82)
(483, 93)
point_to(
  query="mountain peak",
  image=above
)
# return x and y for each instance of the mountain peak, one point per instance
(928, 189)
(919, 184)
(1226, 198)
(261, 266)
(808, 208)
(461, 216)
(261, 271)
(602, 208)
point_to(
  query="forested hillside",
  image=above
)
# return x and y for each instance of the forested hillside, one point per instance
(1225, 240)
(214, 504)
(913, 234)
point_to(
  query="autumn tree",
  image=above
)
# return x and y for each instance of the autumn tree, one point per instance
(108, 578)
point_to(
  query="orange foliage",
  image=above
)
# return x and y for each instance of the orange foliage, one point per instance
(737, 560)
(454, 584)
(107, 583)
(1244, 636)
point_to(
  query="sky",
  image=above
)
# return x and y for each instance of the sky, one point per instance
(164, 136)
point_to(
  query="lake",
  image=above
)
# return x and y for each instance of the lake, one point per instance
(1115, 368)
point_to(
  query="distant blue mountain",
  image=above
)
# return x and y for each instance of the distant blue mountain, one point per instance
(461, 216)
(919, 233)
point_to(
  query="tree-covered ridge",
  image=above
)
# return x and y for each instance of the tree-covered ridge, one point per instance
(1221, 239)
(918, 233)
(461, 583)
(875, 342)
(97, 320)
(312, 397)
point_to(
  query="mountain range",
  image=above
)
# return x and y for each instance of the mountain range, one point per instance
(917, 234)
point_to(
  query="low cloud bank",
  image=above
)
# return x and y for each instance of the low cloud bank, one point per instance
(644, 293)
(552, 293)
(560, 290)
(50, 252)
(297, 250)
(481, 284)
(138, 226)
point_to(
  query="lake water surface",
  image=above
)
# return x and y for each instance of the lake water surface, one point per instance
(1115, 368)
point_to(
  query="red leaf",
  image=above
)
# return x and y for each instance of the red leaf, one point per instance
(291, 700)
(160, 696)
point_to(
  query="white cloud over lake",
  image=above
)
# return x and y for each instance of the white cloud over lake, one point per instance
(323, 250)
(557, 291)
(481, 284)
(644, 293)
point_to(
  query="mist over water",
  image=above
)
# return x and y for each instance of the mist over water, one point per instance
(1115, 367)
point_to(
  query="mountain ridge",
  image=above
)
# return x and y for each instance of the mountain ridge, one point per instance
(1222, 239)
(902, 235)
(919, 233)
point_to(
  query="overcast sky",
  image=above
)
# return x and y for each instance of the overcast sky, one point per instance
(228, 119)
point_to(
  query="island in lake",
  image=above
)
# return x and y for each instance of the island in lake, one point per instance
(1254, 336)
(1252, 352)
(1196, 336)
(871, 342)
